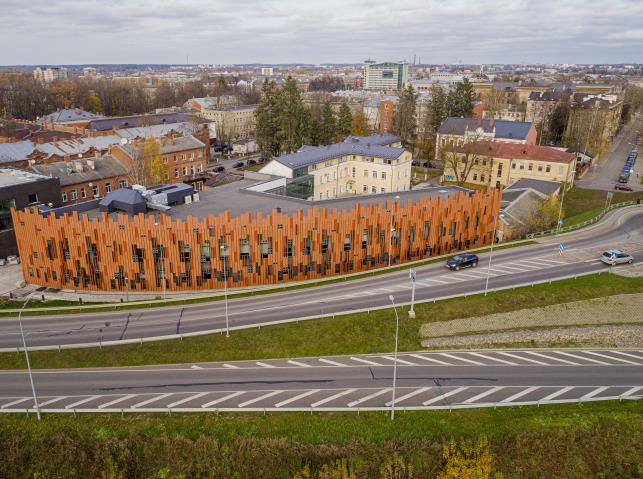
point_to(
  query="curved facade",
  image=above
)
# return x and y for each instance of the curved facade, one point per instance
(136, 253)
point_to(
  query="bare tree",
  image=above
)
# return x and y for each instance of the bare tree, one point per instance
(460, 160)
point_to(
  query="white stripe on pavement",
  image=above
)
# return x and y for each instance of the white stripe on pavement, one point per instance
(115, 401)
(14, 402)
(370, 396)
(151, 400)
(551, 358)
(334, 396)
(520, 394)
(82, 401)
(559, 392)
(423, 282)
(595, 392)
(543, 258)
(530, 267)
(600, 355)
(630, 392)
(295, 398)
(334, 363)
(480, 355)
(583, 357)
(429, 358)
(483, 395)
(392, 358)
(409, 395)
(230, 366)
(297, 363)
(445, 395)
(265, 396)
(466, 276)
(452, 356)
(623, 353)
(52, 400)
(224, 398)
(264, 365)
(365, 361)
(515, 356)
(187, 399)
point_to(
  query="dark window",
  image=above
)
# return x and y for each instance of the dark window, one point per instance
(33, 198)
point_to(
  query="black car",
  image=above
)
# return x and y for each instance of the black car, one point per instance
(218, 169)
(463, 260)
(238, 164)
(251, 162)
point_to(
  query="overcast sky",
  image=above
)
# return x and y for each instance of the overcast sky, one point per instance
(318, 31)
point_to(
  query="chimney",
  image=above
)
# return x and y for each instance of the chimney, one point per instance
(78, 166)
(91, 164)
(40, 140)
(170, 138)
(55, 138)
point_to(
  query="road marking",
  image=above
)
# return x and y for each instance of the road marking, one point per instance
(224, 398)
(582, 357)
(295, 398)
(627, 354)
(52, 400)
(505, 266)
(560, 392)
(470, 276)
(82, 401)
(386, 290)
(455, 278)
(366, 361)
(520, 394)
(551, 358)
(391, 358)
(505, 269)
(428, 358)
(403, 286)
(334, 396)
(14, 402)
(370, 396)
(515, 356)
(230, 366)
(482, 395)
(462, 359)
(543, 258)
(264, 365)
(334, 363)
(194, 366)
(530, 267)
(297, 363)
(627, 361)
(115, 401)
(409, 395)
(539, 262)
(630, 392)
(148, 401)
(595, 392)
(187, 399)
(265, 396)
(480, 355)
(445, 395)
(423, 282)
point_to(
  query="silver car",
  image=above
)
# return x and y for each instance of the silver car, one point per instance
(615, 256)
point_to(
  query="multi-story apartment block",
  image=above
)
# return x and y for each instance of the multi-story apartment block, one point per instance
(50, 74)
(507, 112)
(593, 121)
(385, 76)
(232, 123)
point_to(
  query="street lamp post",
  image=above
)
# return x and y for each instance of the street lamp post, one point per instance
(560, 209)
(493, 241)
(390, 234)
(24, 346)
(225, 292)
(397, 328)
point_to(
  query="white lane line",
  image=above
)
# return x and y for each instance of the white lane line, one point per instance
(595, 392)
(334, 363)
(409, 395)
(483, 394)
(295, 398)
(515, 268)
(224, 398)
(445, 395)
(423, 282)
(429, 358)
(505, 270)
(530, 267)
(600, 355)
(539, 263)
(480, 355)
(334, 396)
(365, 361)
(264, 365)
(403, 286)
(194, 366)
(630, 392)
(265, 396)
(559, 392)
(386, 290)
(466, 276)
(14, 402)
(115, 401)
(52, 400)
(596, 361)
(453, 278)
(453, 356)
(627, 354)
(151, 400)
(551, 358)
(230, 366)
(520, 394)
(515, 356)
(392, 358)
(187, 399)
(82, 401)
(370, 396)
(297, 363)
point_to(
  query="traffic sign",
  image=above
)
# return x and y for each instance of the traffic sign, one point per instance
(412, 276)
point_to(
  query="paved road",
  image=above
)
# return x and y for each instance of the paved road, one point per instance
(539, 262)
(424, 380)
(604, 175)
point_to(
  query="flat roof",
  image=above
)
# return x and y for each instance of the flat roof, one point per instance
(14, 176)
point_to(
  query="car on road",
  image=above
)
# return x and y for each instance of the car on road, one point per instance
(218, 169)
(616, 256)
(622, 187)
(464, 260)
(238, 164)
(251, 162)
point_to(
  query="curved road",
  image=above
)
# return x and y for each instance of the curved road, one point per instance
(515, 266)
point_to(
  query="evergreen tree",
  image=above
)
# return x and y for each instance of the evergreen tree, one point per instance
(328, 125)
(437, 107)
(344, 121)
(460, 101)
(266, 116)
(404, 120)
(290, 117)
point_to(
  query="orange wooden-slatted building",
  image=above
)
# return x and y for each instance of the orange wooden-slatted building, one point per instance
(137, 253)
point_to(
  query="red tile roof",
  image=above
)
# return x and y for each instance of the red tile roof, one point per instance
(516, 151)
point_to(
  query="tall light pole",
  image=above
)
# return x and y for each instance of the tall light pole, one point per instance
(397, 328)
(493, 241)
(162, 254)
(560, 209)
(390, 233)
(225, 291)
(24, 346)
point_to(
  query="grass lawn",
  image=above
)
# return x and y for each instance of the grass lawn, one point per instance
(349, 334)
(582, 201)
(419, 173)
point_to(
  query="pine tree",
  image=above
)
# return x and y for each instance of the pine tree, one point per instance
(344, 121)
(266, 116)
(328, 125)
(404, 120)
(290, 117)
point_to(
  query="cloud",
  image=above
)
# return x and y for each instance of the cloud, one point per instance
(279, 31)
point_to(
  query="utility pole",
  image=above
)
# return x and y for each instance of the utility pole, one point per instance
(412, 278)
(397, 328)
(24, 346)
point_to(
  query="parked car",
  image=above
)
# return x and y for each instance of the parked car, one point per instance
(251, 162)
(464, 260)
(238, 164)
(415, 163)
(622, 187)
(616, 256)
(218, 169)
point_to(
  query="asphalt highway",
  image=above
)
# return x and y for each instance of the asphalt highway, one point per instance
(510, 267)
